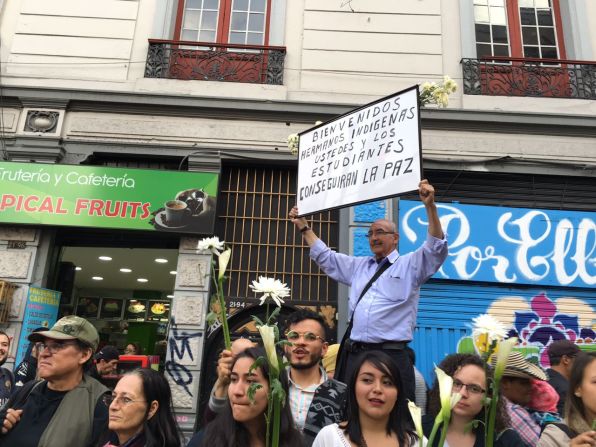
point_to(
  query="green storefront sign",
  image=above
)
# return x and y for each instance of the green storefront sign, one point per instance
(101, 197)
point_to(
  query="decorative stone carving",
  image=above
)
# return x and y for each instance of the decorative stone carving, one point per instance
(14, 264)
(192, 273)
(42, 121)
(188, 309)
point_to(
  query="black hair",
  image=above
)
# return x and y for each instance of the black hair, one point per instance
(399, 421)
(305, 314)
(225, 431)
(575, 410)
(161, 430)
(450, 365)
(4, 333)
(137, 346)
(83, 346)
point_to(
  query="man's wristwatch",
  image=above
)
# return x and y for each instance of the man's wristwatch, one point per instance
(304, 229)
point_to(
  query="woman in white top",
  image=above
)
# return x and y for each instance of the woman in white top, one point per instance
(377, 413)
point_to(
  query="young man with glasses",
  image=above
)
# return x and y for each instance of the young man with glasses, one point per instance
(384, 316)
(66, 407)
(315, 399)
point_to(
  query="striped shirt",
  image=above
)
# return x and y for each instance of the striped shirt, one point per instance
(301, 398)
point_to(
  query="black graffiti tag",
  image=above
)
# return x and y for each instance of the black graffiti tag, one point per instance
(179, 344)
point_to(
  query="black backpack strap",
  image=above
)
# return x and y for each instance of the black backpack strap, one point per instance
(368, 285)
(564, 428)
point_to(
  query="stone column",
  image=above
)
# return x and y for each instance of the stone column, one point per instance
(187, 334)
(18, 255)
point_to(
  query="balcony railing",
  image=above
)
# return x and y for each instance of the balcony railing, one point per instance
(178, 59)
(509, 76)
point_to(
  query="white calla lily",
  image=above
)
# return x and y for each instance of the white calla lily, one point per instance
(416, 413)
(224, 258)
(268, 336)
(445, 387)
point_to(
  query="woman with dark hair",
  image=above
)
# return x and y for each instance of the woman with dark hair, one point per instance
(377, 413)
(242, 422)
(580, 408)
(141, 411)
(469, 379)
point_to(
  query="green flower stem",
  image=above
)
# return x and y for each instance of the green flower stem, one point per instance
(222, 305)
(433, 433)
(444, 431)
(268, 418)
(276, 422)
(492, 414)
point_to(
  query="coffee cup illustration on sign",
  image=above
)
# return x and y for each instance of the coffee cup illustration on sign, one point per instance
(176, 212)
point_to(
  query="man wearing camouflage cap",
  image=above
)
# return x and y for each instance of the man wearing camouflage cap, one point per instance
(66, 407)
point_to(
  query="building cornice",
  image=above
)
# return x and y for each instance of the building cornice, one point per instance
(295, 111)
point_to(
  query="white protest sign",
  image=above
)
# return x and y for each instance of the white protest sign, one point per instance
(368, 154)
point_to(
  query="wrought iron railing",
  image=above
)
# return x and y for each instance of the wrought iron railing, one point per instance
(509, 76)
(178, 59)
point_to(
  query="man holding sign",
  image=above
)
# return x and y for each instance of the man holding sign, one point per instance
(385, 287)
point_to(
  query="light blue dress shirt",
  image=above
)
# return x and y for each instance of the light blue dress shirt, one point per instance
(387, 312)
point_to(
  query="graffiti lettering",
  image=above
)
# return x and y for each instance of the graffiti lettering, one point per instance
(510, 245)
(179, 345)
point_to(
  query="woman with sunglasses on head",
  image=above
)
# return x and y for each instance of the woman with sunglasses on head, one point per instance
(377, 413)
(242, 421)
(141, 411)
(580, 408)
(469, 379)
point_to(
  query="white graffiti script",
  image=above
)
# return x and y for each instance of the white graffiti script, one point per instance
(533, 245)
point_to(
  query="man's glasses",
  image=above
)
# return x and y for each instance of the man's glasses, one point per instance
(308, 336)
(53, 347)
(122, 400)
(378, 233)
(471, 387)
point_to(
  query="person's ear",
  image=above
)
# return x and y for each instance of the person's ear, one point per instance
(152, 409)
(87, 354)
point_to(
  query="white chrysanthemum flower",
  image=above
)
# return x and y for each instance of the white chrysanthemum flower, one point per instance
(449, 84)
(271, 288)
(486, 329)
(212, 244)
(487, 324)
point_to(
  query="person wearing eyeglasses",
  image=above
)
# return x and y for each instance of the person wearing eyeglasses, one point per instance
(141, 411)
(384, 316)
(315, 399)
(66, 407)
(469, 379)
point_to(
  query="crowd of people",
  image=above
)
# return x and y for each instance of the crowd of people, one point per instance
(354, 394)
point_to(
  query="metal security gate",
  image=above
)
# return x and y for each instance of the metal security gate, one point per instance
(534, 314)
(253, 219)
